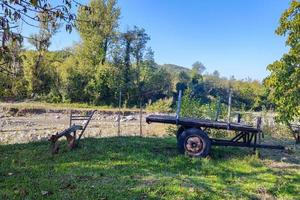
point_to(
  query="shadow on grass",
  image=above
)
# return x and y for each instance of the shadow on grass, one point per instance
(290, 156)
(132, 168)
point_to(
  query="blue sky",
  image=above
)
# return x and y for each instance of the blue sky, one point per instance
(235, 37)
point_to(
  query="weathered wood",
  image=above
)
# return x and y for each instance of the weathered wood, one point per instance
(72, 140)
(69, 130)
(85, 125)
(193, 122)
(119, 113)
(229, 107)
(178, 104)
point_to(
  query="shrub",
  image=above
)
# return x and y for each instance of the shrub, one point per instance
(192, 107)
(162, 105)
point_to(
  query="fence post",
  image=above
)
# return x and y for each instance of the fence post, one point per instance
(119, 114)
(141, 116)
(70, 118)
(238, 118)
(258, 126)
(229, 106)
(218, 109)
(178, 105)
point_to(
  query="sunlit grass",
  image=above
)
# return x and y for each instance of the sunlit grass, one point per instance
(138, 168)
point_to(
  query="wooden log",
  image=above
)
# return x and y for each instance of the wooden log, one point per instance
(192, 122)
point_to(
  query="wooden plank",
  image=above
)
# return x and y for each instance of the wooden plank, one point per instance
(70, 130)
(194, 122)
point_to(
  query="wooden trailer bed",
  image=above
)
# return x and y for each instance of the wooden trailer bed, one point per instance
(194, 122)
(192, 138)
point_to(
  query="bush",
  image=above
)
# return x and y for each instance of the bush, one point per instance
(162, 106)
(192, 107)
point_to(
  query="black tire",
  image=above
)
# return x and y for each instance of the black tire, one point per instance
(179, 131)
(194, 142)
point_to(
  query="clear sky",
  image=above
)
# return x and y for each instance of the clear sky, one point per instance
(235, 37)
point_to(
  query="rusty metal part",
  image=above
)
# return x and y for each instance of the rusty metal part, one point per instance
(194, 145)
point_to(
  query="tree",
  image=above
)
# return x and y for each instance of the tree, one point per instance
(284, 80)
(216, 74)
(138, 48)
(97, 27)
(198, 68)
(13, 84)
(28, 11)
(39, 72)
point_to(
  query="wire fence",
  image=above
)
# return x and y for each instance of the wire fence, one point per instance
(118, 121)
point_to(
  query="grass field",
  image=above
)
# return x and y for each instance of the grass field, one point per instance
(140, 168)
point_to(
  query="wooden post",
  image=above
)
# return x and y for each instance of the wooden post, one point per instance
(229, 106)
(141, 118)
(178, 105)
(71, 118)
(218, 109)
(238, 118)
(258, 126)
(119, 114)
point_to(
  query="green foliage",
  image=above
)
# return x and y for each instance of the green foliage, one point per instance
(107, 61)
(12, 87)
(162, 106)
(192, 107)
(39, 72)
(76, 86)
(97, 27)
(284, 80)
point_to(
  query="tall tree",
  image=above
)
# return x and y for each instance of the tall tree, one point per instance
(197, 69)
(284, 80)
(138, 49)
(38, 77)
(97, 27)
(127, 39)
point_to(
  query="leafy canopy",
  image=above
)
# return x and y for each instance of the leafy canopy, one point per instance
(284, 80)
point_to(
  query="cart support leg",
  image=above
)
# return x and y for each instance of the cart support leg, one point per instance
(255, 138)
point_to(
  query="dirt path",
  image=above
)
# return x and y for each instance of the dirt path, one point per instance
(25, 125)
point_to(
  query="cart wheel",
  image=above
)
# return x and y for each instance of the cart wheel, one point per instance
(194, 142)
(179, 131)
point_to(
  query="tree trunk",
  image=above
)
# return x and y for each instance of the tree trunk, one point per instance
(105, 46)
(296, 133)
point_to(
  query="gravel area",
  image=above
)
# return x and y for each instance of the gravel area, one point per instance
(22, 126)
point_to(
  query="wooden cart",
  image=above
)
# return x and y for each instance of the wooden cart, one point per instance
(193, 139)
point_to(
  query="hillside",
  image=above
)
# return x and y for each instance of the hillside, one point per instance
(174, 69)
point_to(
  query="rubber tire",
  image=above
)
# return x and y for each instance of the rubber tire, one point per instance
(190, 132)
(179, 131)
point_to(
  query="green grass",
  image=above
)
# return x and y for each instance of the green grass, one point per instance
(139, 168)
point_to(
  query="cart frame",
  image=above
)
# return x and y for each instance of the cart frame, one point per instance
(246, 135)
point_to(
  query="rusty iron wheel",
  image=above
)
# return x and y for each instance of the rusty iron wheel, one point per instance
(194, 145)
(194, 142)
